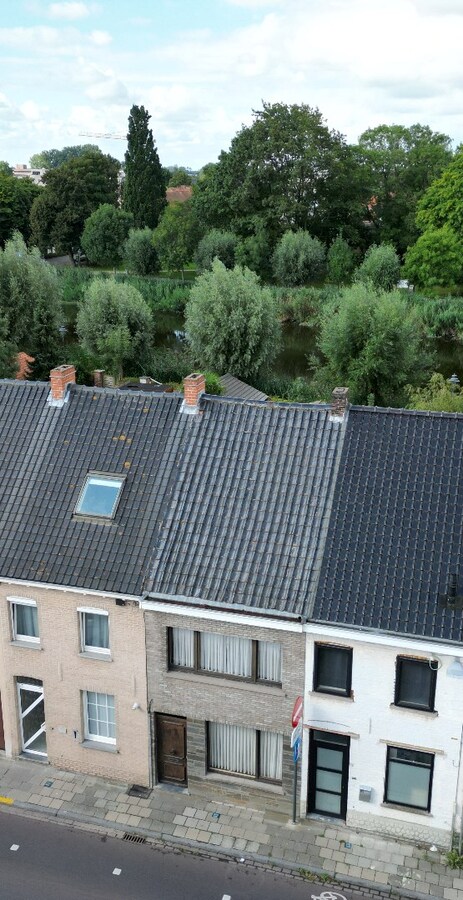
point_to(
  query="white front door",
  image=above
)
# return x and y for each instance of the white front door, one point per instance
(32, 716)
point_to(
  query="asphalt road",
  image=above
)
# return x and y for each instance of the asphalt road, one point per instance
(41, 860)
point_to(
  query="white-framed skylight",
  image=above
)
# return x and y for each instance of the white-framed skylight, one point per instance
(100, 495)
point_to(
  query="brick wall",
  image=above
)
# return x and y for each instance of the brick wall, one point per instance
(66, 673)
(200, 698)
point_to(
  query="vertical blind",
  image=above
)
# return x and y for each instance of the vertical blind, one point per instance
(233, 748)
(226, 655)
(183, 648)
(269, 661)
(26, 623)
(96, 631)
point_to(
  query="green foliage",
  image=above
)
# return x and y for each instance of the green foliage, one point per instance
(298, 259)
(85, 363)
(104, 234)
(454, 859)
(442, 316)
(115, 325)
(340, 262)
(30, 303)
(144, 192)
(169, 365)
(436, 258)
(216, 244)
(51, 159)
(372, 343)
(159, 293)
(177, 235)
(231, 321)
(380, 266)
(213, 384)
(399, 165)
(16, 198)
(5, 168)
(442, 204)
(71, 194)
(139, 252)
(437, 395)
(283, 387)
(179, 177)
(73, 282)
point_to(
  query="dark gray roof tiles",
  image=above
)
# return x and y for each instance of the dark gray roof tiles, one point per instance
(234, 387)
(250, 505)
(395, 534)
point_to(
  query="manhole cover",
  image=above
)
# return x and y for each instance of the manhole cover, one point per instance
(134, 838)
(137, 790)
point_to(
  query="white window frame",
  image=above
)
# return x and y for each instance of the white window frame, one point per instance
(16, 636)
(88, 648)
(89, 736)
(104, 477)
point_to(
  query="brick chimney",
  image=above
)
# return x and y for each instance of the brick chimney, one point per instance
(98, 378)
(193, 386)
(59, 379)
(339, 403)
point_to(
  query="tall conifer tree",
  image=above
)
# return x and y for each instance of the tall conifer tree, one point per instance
(144, 193)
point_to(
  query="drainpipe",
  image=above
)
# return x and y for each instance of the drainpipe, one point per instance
(150, 740)
(455, 803)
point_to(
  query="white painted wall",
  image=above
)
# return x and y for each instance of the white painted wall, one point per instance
(373, 721)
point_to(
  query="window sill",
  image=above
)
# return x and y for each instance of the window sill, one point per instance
(26, 645)
(102, 657)
(344, 697)
(408, 809)
(427, 713)
(96, 745)
(248, 782)
(220, 681)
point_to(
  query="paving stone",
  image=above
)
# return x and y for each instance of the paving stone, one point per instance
(180, 831)
(111, 816)
(56, 804)
(227, 842)
(216, 839)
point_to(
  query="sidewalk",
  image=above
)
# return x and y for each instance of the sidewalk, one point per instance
(175, 816)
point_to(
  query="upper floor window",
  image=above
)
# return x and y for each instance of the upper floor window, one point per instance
(94, 631)
(409, 777)
(415, 683)
(24, 621)
(221, 654)
(333, 669)
(100, 495)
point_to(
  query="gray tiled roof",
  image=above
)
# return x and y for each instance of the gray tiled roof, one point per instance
(396, 530)
(234, 387)
(45, 454)
(250, 506)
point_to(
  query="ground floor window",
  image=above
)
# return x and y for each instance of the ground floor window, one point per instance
(100, 724)
(409, 777)
(238, 750)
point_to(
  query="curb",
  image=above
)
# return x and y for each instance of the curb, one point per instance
(167, 840)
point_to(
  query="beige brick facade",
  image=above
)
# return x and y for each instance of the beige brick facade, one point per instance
(66, 673)
(202, 698)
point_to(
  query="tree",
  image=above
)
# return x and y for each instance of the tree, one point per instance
(144, 192)
(442, 204)
(216, 244)
(104, 234)
(71, 193)
(232, 322)
(435, 259)
(51, 159)
(381, 266)
(30, 303)
(287, 171)
(339, 261)
(298, 259)
(16, 198)
(5, 168)
(139, 252)
(373, 344)
(400, 164)
(115, 325)
(176, 236)
(437, 395)
(179, 177)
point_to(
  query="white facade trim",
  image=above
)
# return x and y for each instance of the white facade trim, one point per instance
(423, 645)
(64, 589)
(232, 618)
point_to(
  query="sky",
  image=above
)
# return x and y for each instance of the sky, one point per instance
(200, 68)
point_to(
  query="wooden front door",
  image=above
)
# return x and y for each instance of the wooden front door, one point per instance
(171, 749)
(2, 735)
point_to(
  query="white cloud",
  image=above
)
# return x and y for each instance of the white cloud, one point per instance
(31, 110)
(69, 11)
(100, 38)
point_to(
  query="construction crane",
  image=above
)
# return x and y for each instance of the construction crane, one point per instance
(112, 137)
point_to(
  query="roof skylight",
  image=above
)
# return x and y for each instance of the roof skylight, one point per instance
(100, 496)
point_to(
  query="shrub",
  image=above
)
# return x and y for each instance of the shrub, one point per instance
(216, 244)
(435, 259)
(339, 261)
(139, 252)
(104, 234)
(380, 266)
(298, 259)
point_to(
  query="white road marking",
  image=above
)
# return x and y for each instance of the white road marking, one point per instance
(226, 897)
(117, 871)
(14, 847)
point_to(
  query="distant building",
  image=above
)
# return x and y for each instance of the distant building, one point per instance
(179, 194)
(22, 171)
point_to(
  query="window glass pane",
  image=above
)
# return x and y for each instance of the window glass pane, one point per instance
(100, 715)
(414, 682)
(330, 759)
(183, 647)
(328, 803)
(96, 631)
(232, 748)
(408, 784)
(328, 781)
(227, 655)
(271, 755)
(26, 621)
(99, 496)
(332, 669)
(269, 661)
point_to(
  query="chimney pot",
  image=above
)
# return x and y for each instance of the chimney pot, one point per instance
(60, 377)
(339, 402)
(193, 386)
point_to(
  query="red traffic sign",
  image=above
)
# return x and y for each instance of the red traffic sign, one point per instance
(297, 712)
